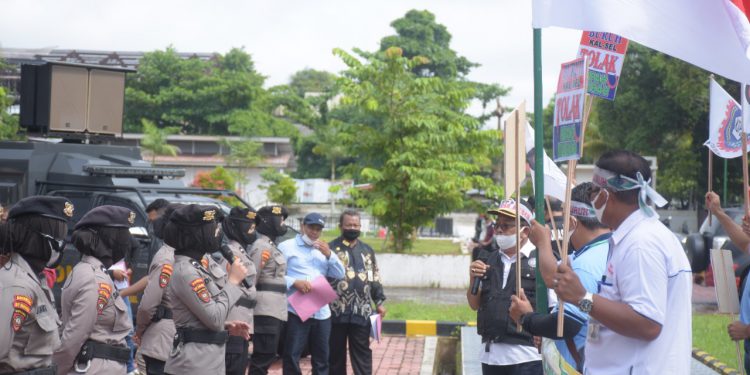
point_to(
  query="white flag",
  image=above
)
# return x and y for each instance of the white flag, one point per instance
(554, 178)
(724, 124)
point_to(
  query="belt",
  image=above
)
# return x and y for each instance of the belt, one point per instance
(52, 370)
(201, 336)
(246, 302)
(278, 288)
(162, 312)
(92, 349)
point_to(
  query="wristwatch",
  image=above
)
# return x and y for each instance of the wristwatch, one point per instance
(586, 303)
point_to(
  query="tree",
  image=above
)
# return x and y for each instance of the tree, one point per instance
(312, 81)
(417, 34)
(8, 122)
(418, 149)
(155, 140)
(282, 188)
(220, 179)
(242, 155)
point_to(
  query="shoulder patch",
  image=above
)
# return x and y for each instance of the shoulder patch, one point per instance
(199, 287)
(21, 309)
(165, 276)
(105, 291)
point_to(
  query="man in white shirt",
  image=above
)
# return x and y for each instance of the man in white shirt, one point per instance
(505, 350)
(641, 315)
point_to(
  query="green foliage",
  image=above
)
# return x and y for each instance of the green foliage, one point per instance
(8, 123)
(661, 109)
(417, 34)
(220, 179)
(710, 335)
(242, 155)
(282, 188)
(418, 149)
(428, 311)
(198, 96)
(155, 140)
(312, 81)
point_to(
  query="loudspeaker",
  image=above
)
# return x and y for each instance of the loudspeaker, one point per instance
(72, 98)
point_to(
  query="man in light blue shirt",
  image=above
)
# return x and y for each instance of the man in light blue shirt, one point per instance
(308, 258)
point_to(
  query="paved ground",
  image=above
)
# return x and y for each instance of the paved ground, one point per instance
(392, 356)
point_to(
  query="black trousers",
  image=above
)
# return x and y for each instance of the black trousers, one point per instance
(265, 342)
(235, 357)
(526, 368)
(154, 366)
(360, 354)
(313, 332)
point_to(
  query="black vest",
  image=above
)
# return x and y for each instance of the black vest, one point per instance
(493, 321)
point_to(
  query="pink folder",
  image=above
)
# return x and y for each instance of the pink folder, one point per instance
(307, 304)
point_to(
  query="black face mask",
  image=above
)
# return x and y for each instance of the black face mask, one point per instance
(350, 234)
(271, 227)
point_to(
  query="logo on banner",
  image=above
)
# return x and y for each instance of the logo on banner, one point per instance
(730, 134)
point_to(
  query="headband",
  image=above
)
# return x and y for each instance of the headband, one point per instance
(581, 209)
(617, 182)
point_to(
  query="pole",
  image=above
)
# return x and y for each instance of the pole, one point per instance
(541, 289)
(744, 171)
(724, 182)
(519, 128)
(710, 180)
(566, 238)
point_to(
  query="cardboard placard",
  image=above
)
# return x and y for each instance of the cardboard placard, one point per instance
(568, 117)
(606, 54)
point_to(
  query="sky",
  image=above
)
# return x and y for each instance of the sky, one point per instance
(285, 36)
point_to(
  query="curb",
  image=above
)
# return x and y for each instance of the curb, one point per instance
(713, 363)
(413, 328)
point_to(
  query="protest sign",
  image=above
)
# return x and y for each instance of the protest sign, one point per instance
(606, 54)
(515, 150)
(568, 117)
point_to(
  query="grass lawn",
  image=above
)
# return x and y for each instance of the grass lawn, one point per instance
(422, 311)
(421, 246)
(710, 335)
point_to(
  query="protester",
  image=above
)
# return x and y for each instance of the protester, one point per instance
(589, 245)
(95, 318)
(33, 240)
(740, 236)
(155, 328)
(199, 307)
(641, 316)
(270, 312)
(357, 293)
(308, 257)
(505, 350)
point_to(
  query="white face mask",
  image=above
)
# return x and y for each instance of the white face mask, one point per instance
(505, 242)
(600, 211)
(307, 240)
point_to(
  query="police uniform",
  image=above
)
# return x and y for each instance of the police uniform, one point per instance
(29, 333)
(95, 317)
(154, 321)
(271, 310)
(199, 306)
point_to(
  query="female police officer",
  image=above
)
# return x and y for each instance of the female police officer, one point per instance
(95, 318)
(199, 307)
(34, 236)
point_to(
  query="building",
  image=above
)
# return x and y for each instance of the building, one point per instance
(203, 153)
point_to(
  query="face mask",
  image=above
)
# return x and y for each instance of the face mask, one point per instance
(505, 242)
(56, 249)
(350, 234)
(600, 211)
(307, 240)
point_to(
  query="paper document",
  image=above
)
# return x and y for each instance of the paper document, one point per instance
(307, 304)
(375, 326)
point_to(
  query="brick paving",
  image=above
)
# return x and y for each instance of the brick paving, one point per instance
(394, 355)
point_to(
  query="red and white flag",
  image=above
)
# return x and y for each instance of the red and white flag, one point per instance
(711, 34)
(724, 124)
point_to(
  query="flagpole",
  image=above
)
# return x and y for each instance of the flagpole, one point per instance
(710, 180)
(724, 183)
(541, 289)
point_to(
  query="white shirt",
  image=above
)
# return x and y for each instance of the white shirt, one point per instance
(648, 270)
(502, 354)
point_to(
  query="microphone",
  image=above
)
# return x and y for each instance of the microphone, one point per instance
(226, 252)
(475, 285)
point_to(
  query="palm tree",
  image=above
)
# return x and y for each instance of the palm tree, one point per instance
(155, 140)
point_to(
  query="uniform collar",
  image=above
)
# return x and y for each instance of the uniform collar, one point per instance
(92, 261)
(590, 244)
(18, 260)
(631, 222)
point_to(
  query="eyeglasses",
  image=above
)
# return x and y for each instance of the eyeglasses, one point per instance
(505, 227)
(57, 245)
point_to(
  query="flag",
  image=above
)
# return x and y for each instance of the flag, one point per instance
(554, 178)
(711, 34)
(724, 124)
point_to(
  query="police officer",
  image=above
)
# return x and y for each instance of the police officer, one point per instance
(95, 318)
(199, 306)
(271, 311)
(34, 238)
(155, 329)
(239, 227)
(505, 350)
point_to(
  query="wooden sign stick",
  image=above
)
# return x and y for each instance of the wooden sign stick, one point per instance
(744, 171)
(519, 328)
(710, 180)
(566, 238)
(554, 226)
